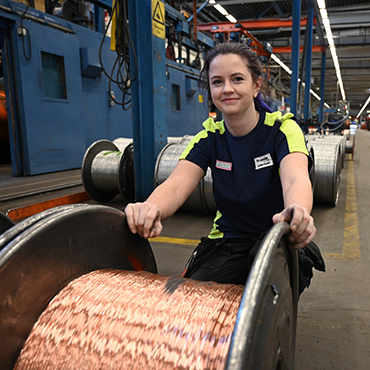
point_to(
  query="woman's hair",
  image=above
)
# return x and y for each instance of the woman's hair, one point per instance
(252, 62)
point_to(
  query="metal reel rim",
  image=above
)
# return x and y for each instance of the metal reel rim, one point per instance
(243, 331)
(92, 151)
(18, 228)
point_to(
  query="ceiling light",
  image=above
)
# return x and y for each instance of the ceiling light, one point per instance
(231, 18)
(321, 4)
(363, 107)
(333, 51)
(221, 9)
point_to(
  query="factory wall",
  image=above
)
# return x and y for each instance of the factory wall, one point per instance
(58, 99)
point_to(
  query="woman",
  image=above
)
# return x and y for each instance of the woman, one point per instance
(259, 164)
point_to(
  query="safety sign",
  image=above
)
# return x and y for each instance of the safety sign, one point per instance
(158, 21)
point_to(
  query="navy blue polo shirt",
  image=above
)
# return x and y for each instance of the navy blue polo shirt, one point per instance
(245, 171)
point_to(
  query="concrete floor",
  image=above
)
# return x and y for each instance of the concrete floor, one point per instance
(334, 313)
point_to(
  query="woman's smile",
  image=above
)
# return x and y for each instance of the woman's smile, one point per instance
(229, 100)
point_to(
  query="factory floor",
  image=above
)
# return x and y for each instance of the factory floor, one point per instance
(333, 314)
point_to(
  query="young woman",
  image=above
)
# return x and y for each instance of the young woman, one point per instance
(259, 164)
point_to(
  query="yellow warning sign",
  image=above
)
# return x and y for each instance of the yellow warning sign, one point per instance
(158, 20)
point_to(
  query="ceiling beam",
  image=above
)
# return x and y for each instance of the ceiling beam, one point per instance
(256, 24)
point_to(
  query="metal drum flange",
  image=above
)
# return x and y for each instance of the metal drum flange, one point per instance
(265, 329)
(126, 174)
(89, 171)
(46, 256)
(15, 230)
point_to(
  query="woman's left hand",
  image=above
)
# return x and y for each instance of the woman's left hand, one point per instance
(301, 223)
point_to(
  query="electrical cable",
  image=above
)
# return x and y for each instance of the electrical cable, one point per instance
(334, 126)
(21, 28)
(120, 73)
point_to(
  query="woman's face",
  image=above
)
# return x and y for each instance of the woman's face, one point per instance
(231, 85)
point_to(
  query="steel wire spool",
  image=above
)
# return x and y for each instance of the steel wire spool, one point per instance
(350, 145)
(108, 171)
(327, 172)
(201, 199)
(341, 140)
(101, 311)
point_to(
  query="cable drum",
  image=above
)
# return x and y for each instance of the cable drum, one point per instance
(350, 145)
(341, 140)
(201, 199)
(327, 172)
(101, 304)
(108, 170)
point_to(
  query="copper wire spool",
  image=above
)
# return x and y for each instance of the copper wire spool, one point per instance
(69, 299)
(113, 319)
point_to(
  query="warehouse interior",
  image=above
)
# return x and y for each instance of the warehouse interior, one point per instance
(98, 99)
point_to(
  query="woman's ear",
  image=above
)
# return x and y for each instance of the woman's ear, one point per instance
(257, 86)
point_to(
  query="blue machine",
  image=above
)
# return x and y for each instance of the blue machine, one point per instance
(58, 100)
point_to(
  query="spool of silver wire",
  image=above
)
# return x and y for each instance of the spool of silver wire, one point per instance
(107, 170)
(327, 171)
(201, 199)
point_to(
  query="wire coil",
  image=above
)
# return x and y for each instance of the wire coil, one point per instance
(111, 319)
(201, 199)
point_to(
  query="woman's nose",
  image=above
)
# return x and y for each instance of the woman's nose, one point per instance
(227, 87)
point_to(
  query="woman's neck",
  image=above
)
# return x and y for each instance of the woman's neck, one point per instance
(241, 126)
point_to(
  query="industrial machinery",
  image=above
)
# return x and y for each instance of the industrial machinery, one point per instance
(46, 255)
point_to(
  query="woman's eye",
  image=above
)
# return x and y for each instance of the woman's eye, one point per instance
(238, 79)
(216, 82)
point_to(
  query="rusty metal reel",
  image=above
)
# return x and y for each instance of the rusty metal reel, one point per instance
(265, 329)
(38, 262)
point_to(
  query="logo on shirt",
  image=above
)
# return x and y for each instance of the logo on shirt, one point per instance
(223, 165)
(263, 161)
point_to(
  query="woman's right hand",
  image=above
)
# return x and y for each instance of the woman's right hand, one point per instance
(144, 219)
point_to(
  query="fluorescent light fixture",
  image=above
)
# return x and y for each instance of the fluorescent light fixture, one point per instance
(315, 95)
(286, 68)
(363, 107)
(329, 35)
(281, 64)
(231, 18)
(324, 14)
(321, 4)
(221, 9)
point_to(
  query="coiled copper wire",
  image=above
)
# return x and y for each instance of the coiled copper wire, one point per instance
(112, 319)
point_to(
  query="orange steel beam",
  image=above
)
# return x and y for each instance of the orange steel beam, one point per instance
(260, 24)
(288, 49)
(27, 211)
